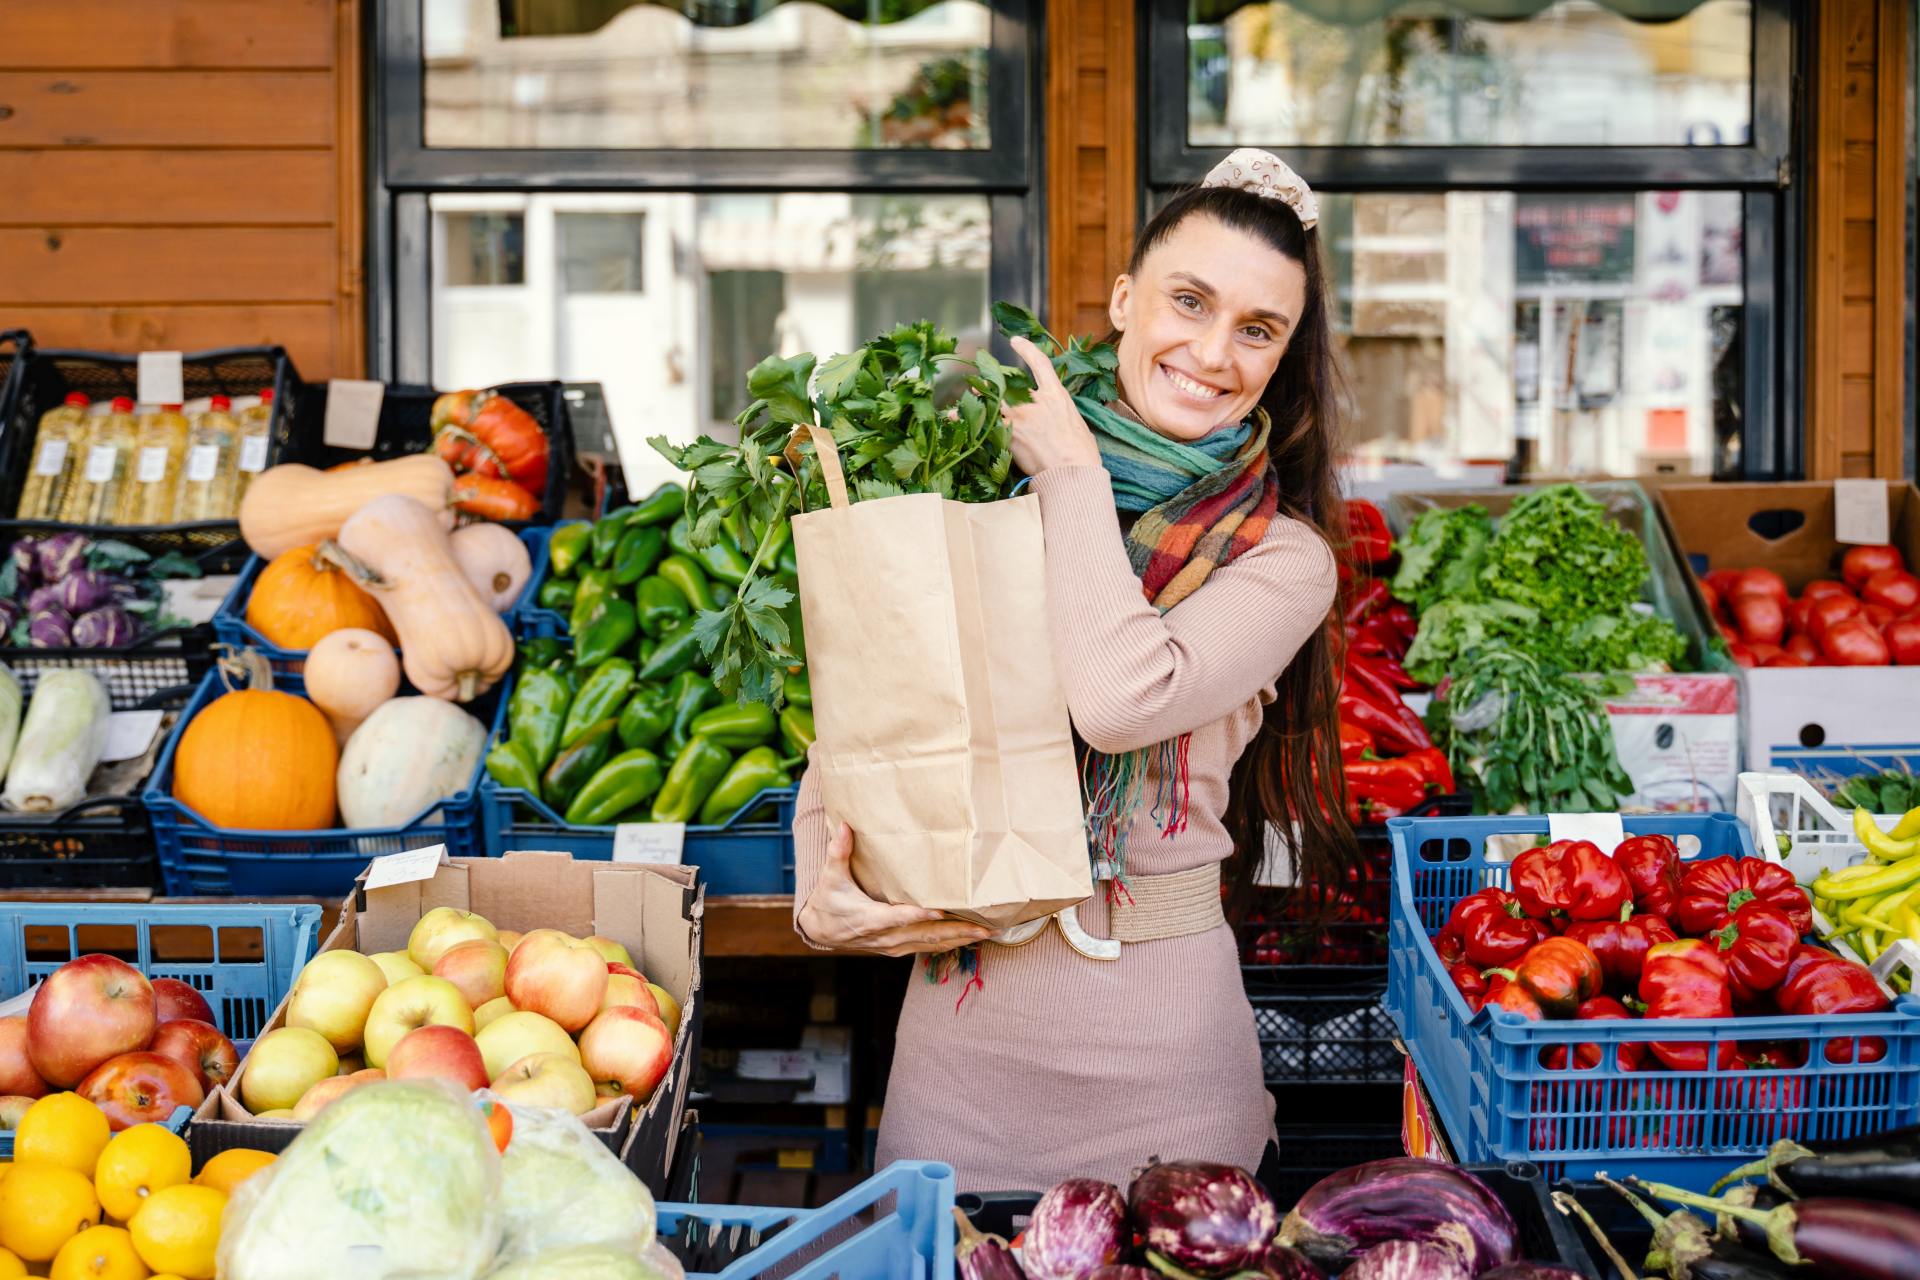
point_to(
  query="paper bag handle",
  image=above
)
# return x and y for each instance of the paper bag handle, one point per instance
(829, 454)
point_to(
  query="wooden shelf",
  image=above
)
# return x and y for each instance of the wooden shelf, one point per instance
(753, 925)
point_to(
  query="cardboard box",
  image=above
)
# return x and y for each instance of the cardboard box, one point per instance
(1821, 722)
(656, 912)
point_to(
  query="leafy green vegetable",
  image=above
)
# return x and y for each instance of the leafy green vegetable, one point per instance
(1441, 555)
(1891, 791)
(1558, 551)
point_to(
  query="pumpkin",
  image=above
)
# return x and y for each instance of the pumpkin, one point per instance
(495, 562)
(452, 644)
(408, 756)
(257, 759)
(291, 505)
(349, 673)
(298, 598)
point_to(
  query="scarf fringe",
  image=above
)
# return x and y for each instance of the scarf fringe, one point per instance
(1114, 787)
(940, 968)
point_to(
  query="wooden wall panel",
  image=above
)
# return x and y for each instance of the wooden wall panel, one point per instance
(180, 188)
(192, 109)
(1093, 130)
(155, 33)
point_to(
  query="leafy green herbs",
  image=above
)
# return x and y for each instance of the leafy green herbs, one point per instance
(1441, 556)
(1891, 791)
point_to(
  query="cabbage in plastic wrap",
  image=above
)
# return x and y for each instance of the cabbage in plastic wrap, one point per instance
(583, 1262)
(560, 1187)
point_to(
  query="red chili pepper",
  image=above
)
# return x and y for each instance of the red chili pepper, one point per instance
(1652, 864)
(492, 498)
(1630, 1055)
(1622, 946)
(1368, 594)
(1469, 982)
(1400, 615)
(1399, 783)
(1505, 993)
(1571, 878)
(1370, 677)
(1354, 741)
(1815, 987)
(1687, 979)
(1757, 943)
(1560, 973)
(1368, 538)
(1493, 930)
(1713, 889)
(1434, 768)
(1377, 630)
(1390, 732)
(1389, 669)
(1359, 640)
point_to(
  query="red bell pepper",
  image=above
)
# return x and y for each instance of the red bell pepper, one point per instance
(1434, 768)
(1494, 931)
(1391, 730)
(1504, 993)
(1368, 539)
(1815, 987)
(1713, 889)
(1368, 595)
(1450, 947)
(1354, 741)
(1382, 680)
(1398, 783)
(1469, 982)
(1400, 616)
(1757, 943)
(1571, 878)
(1629, 1056)
(1652, 864)
(1687, 979)
(1379, 635)
(1764, 1083)
(1622, 946)
(1560, 973)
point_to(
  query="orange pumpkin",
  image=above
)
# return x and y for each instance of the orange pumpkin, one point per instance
(258, 760)
(300, 597)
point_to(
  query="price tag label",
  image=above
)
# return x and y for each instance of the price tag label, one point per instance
(253, 453)
(53, 456)
(100, 461)
(353, 413)
(160, 378)
(197, 599)
(203, 462)
(405, 868)
(153, 464)
(661, 843)
(130, 733)
(1860, 511)
(1604, 829)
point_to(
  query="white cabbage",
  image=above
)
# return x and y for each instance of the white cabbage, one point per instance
(560, 1186)
(582, 1262)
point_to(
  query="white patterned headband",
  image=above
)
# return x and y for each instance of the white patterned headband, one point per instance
(1266, 175)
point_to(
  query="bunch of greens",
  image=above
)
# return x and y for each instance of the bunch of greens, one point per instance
(1441, 556)
(1890, 791)
(894, 436)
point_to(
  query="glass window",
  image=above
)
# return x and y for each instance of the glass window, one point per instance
(485, 249)
(724, 74)
(1575, 73)
(601, 252)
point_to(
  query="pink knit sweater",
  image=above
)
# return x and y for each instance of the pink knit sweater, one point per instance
(1062, 1066)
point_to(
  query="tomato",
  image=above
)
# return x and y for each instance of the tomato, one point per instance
(1877, 615)
(1761, 617)
(1727, 633)
(1803, 648)
(1785, 659)
(1852, 642)
(1861, 563)
(1764, 581)
(1897, 589)
(1722, 582)
(1822, 587)
(1828, 611)
(1763, 653)
(1903, 639)
(1712, 597)
(1797, 615)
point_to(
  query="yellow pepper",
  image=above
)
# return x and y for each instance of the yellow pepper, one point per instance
(1880, 844)
(1897, 875)
(1908, 826)
(1882, 911)
(1908, 922)
(1854, 872)
(1870, 947)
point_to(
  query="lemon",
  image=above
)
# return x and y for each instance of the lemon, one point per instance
(178, 1230)
(99, 1253)
(42, 1206)
(231, 1168)
(63, 1129)
(138, 1162)
(10, 1265)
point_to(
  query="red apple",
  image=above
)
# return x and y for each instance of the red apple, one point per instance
(478, 968)
(627, 1049)
(17, 1076)
(200, 1048)
(557, 976)
(173, 999)
(438, 1053)
(140, 1088)
(317, 1096)
(87, 1011)
(624, 986)
(12, 1108)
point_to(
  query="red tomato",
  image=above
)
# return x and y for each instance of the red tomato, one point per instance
(1765, 581)
(1903, 639)
(1712, 598)
(1764, 653)
(1797, 615)
(1785, 659)
(1803, 648)
(1722, 581)
(1761, 617)
(1824, 613)
(1852, 642)
(1861, 563)
(1897, 589)
(1741, 654)
(1825, 587)
(1727, 633)
(1878, 614)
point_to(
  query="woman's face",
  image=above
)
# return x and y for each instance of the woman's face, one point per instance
(1203, 326)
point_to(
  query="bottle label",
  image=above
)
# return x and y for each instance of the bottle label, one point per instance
(100, 462)
(53, 456)
(153, 464)
(202, 463)
(253, 453)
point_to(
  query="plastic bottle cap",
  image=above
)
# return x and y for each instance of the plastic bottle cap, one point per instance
(219, 402)
(122, 404)
(77, 399)
(266, 395)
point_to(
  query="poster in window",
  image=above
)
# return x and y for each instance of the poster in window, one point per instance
(1573, 239)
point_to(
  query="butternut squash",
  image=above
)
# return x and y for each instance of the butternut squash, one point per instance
(349, 673)
(291, 505)
(411, 754)
(452, 644)
(495, 562)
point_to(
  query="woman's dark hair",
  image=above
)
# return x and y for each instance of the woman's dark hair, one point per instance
(1289, 776)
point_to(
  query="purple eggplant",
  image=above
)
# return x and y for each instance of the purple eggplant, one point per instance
(1831, 1236)
(47, 597)
(50, 629)
(84, 590)
(1401, 1198)
(1282, 1263)
(1205, 1219)
(108, 628)
(26, 565)
(1123, 1271)
(1079, 1225)
(60, 554)
(982, 1257)
(1524, 1270)
(1406, 1260)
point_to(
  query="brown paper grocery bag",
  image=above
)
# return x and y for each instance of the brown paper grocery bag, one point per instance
(942, 730)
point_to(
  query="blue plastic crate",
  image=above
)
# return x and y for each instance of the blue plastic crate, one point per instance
(199, 858)
(1497, 1101)
(529, 620)
(897, 1225)
(242, 992)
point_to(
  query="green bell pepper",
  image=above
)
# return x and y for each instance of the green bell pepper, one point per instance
(796, 688)
(661, 506)
(796, 730)
(696, 771)
(634, 558)
(646, 717)
(568, 544)
(754, 772)
(680, 538)
(541, 651)
(610, 628)
(684, 573)
(618, 785)
(606, 535)
(601, 695)
(648, 647)
(556, 594)
(537, 712)
(574, 765)
(736, 727)
(660, 605)
(679, 649)
(596, 585)
(723, 561)
(509, 765)
(690, 693)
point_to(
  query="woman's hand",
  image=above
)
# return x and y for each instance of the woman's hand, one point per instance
(839, 916)
(1048, 431)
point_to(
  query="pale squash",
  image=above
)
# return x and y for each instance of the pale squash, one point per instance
(298, 598)
(257, 759)
(348, 674)
(452, 644)
(495, 562)
(408, 756)
(291, 505)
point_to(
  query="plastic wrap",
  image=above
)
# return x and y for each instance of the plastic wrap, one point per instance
(561, 1187)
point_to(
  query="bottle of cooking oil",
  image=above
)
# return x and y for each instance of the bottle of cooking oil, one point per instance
(256, 422)
(57, 447)
(213, 452)
(99, 492)
(160, 449)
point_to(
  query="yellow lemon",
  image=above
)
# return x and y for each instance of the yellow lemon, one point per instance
(231, 1168)
(178, 1230)
(63, 1129)
(10, 1265)
(42, 1206)
(138, 1162)
(99, 1253)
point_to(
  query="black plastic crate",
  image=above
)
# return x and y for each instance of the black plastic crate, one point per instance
(48, 377)
(1326, 1032)
(14, 345)
(1309, 1152)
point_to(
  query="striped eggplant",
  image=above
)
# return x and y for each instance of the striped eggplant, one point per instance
(1122, 1271)
(1282, 1263)
(1532, 1271)
(1423, 1201)
(1079, 1225)
(1205, 1219)
(1406, 1260)
(982, 1257)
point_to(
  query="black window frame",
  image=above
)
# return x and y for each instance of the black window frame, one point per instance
(1761, 169)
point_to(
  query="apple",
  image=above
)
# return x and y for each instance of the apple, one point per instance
(628, 1049)
(17, 1076)
(513, 1036)
(510, 938)
(442, 929)
(173, 999)
(410, 1003)
(282, 1065)
(478, 968)
(351, 1062)
(140, 1088)
(88, 1010)
(669, 1007)
(12, 1108)
(396, 966)
(610, 951)
(316, 1098)
(438, 1053)
(625, 987)
(200, 1048)
(547, 1080)
(282, 1115)
(498, 1007)
(333, 996)
(564, 978)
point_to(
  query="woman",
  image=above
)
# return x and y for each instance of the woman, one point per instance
(1192, 638)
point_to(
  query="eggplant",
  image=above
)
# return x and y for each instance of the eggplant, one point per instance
(1079, 1225)
(1401, 1198)
(1683, 1248)
(60, 554)
(50, 628)
(1886, 1167)
(1833, 1236)
(982, 1257)
(1205, 1219)
(1524, 1270)
(108, 628)
(84, 590)
(1122, 1271)
(1282, 1263)
(1407, 1260)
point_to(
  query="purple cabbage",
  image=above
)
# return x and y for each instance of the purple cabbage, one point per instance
(1206, 1219)
(1406, 1260)
(50, 629)
(84, 590)
(108, 628)
(47, 597)
(26, 565)
(1079, 1225)
(61, 554)
(1423, 1201)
